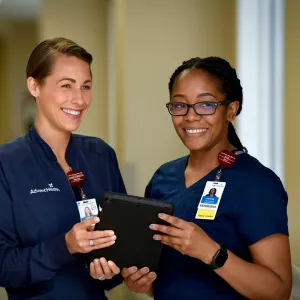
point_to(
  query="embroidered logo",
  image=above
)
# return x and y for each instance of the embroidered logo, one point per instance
(48, 189)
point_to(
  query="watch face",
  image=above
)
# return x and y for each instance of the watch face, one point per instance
(221, 257)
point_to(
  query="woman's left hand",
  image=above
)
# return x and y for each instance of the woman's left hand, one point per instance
(102, 269)
(186, 237)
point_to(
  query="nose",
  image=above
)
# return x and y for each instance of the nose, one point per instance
(77, 97)
(191, 115)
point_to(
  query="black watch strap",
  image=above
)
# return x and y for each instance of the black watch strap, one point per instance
(219, 258)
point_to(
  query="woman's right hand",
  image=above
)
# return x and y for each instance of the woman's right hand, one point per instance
(139, 281)
(80, 239)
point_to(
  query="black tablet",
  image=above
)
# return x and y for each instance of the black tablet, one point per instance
(129, 217)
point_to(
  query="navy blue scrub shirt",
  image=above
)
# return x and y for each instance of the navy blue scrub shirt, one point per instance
(37, 208)
(253, 206)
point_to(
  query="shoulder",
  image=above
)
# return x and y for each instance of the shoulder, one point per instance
(173, 165)
(170, 169)
(254, 171)
(258, 184)
(91, 144)
(96, 148)
(14, 151)
(166, 177)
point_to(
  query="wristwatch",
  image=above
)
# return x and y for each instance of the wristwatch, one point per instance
(219, 258)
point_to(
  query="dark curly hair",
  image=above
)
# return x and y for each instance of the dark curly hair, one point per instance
(230, 85)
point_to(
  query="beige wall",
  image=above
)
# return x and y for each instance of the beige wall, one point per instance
(4, 103)
(159, 35)
(21, 41)
(292, 109)
(18, 40)
(85, 22)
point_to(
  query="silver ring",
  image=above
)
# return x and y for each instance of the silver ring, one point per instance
(101, 277)
(91, 243)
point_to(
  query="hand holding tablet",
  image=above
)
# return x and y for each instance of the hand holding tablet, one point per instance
(130, 217)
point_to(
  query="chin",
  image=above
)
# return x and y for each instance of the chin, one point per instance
(195, 144)
(70, 128)
(194, 148)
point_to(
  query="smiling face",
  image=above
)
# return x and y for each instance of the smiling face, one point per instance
(64, 96)
(201, 133)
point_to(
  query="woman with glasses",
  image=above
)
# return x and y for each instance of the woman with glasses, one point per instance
(235, 248)
(42, 246)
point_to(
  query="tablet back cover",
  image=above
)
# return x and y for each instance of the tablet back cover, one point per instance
(129, 217)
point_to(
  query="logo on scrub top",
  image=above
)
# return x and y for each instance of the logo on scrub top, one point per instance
(48, 189)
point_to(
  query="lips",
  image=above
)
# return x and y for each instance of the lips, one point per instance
(195, 131)
(72, 112)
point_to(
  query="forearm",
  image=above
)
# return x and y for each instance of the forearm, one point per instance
(252, 280)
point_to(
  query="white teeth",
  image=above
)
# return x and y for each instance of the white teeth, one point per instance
(71, 112)
(195, 130)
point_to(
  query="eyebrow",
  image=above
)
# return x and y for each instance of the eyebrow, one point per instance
(199, 95)
(73, 80)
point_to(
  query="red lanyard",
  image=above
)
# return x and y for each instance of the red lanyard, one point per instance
(76, 179)
(226, 159)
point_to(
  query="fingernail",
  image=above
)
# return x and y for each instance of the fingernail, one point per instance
(156, 237)
(152, 226)
(134, 269)
(152, 275)
(161, 215)
(145, 270)
(96, 219)
(113, 238)
(111, 233)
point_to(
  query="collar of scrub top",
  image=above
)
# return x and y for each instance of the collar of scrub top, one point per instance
(45, 148)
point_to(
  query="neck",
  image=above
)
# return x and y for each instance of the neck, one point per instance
(56, 139)
(207, 159)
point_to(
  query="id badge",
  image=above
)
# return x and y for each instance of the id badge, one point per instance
(87, 209)
(210, 200)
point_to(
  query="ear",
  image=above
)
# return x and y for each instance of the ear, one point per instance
(232, 110)
(33, 87)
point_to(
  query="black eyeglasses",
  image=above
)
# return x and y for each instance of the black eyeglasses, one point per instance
(204, 108)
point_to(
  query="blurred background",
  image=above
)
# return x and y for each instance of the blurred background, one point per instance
(137, 44)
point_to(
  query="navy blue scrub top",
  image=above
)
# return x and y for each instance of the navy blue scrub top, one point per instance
(37, 208)
(253, 206)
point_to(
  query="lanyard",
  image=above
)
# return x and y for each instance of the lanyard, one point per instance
(76, 179)
(226, 159)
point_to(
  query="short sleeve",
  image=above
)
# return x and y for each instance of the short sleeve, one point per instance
(262, 209)
(118, 180)
(148, 190)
